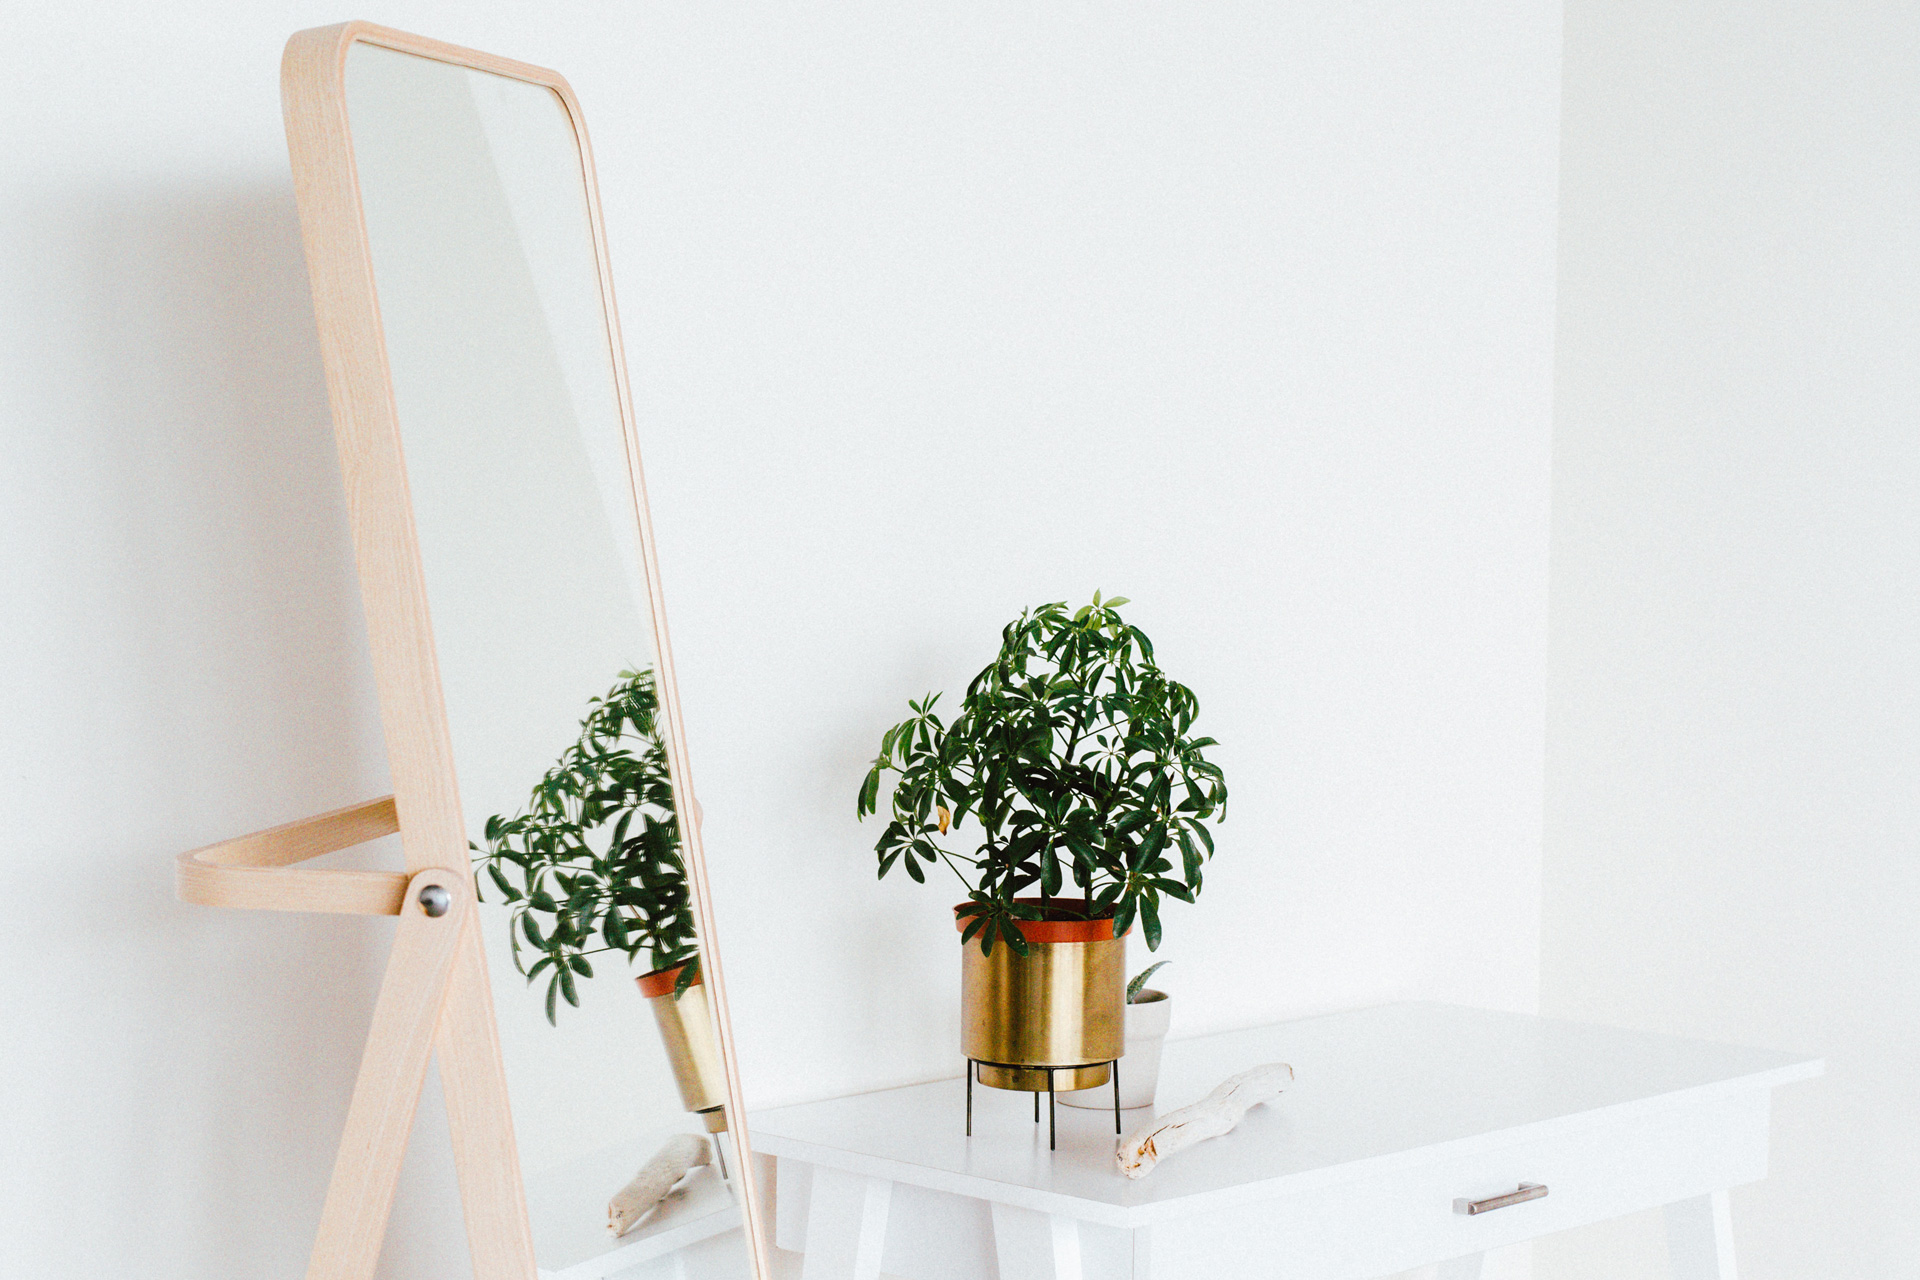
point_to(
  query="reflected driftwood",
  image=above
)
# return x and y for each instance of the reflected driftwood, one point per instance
(656, 1178)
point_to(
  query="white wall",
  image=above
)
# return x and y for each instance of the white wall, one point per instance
(1244, 312)
(1247, 319)
(1734, 717)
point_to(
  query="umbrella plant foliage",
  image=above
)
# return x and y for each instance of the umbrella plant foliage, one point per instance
(1070, 764)
(593, 863)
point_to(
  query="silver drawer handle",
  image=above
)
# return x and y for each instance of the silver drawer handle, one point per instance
(1527, 1191)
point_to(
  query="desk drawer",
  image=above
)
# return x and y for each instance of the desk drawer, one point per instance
(1375, 1223)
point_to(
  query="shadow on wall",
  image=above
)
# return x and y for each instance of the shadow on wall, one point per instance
(186, 602)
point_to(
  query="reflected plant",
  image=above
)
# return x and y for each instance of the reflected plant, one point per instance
(1072, 751)
(595, 857)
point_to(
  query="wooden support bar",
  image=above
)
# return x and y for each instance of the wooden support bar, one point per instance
(251, 871)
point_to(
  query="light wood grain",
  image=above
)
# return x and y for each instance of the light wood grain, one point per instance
(392, 1068)
(493, 1199)
(251, 871)
(393, 590)
(367, 432)
(426, 791)
(692, 835)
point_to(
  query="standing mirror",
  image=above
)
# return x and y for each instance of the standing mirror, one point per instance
(475, 370)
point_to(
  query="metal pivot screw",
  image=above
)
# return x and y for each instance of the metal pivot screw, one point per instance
(435, 900)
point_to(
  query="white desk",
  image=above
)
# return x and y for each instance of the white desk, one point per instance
(1396, 1112)
(566, 1206)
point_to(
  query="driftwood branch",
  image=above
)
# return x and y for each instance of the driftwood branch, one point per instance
(1213, 1115)
(656, 1178)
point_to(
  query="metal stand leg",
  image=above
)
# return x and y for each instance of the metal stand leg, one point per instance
(970, 1070)
(1053, 1125)
(720, 1154)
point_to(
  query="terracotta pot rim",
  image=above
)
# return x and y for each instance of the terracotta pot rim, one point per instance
(1099, 929)
(661, 982)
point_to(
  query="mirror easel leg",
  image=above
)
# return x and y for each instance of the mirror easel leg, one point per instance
(467, 1044)
(392, 1069)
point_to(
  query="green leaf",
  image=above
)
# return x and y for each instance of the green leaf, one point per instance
(576, 851)
(615, 931)
(1050, 878)
(511, 894)
(1150, 920)
(1141, 979)
(1189, 858)
(1070, 746)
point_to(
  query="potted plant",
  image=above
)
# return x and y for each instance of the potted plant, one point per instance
(1073, 758)
(1148, 1014)
(593, 865)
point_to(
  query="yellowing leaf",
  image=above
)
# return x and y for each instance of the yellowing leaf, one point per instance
(946, 819)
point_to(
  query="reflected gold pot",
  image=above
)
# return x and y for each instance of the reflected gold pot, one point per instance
(1062, 1005)
(686, 1027)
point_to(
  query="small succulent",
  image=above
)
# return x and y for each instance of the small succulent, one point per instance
(1139, 984)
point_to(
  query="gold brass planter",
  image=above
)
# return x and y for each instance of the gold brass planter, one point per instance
(686, 1027)
(1060, 1006)
(1034, 1079)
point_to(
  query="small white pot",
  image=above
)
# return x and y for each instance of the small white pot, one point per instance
(1147, 1021)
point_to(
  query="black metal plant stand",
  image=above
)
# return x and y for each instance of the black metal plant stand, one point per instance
(1113, 1065)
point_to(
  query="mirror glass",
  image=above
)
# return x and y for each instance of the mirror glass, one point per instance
(525, 498)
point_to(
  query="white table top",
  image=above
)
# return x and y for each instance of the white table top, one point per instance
(1375, 1089)
(567, 1207)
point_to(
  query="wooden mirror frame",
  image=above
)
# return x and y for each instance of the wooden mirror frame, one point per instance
(435, 998)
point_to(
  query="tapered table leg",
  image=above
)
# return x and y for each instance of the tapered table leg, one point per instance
(1030, 1245)
(846, 1225)
(1700, 1238)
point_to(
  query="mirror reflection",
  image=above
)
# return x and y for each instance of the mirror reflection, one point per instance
(524, 493)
